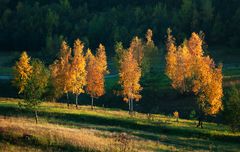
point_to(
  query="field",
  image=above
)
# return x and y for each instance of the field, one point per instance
(101, 129)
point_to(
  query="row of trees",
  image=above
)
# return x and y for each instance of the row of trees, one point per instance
(76, 72)
(187, 66)
(70, 74)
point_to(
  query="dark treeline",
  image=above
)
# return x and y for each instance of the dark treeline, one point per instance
(40, 26)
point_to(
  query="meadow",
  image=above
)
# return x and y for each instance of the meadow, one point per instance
(104, 129)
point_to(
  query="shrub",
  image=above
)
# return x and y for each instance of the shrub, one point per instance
(176, 115)
(232, 108)
(192, 114)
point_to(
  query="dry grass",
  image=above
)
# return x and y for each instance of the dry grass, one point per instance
(87, 139)
(50, 134)
(7, 147)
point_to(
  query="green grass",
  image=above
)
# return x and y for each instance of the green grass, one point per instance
(162, 133)
(6, 71)
(160, 81)
(231, 72)
(225, 55)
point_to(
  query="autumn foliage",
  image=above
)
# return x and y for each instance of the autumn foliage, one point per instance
(31, 78)
(77, 74)
(101, 58)
(60, 71)
(136, 49)
(96, 70)
(192, 71)
(171, 58)
(187, 66)
(130, 74)
(22, 72)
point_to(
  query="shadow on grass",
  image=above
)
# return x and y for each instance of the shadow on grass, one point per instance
(117, 124)
(184, 143)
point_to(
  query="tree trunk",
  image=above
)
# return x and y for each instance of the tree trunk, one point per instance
(129, 106)
(132, 105)
(67, 100)
(201, 116)
(200, 121)
(77, 101)
(184, 85)
(36, 116)
(92, 104)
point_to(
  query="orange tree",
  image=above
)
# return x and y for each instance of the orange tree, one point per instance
(60, 71)
(95, 75)
(130, 74)
(190, 70)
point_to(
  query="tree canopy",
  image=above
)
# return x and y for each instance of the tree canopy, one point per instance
(44, 24)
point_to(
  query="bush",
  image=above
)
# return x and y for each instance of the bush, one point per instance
(232, 108)
(192, 115)
(176, 115)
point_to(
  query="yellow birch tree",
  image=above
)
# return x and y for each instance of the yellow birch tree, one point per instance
(101, 58)
(195, 45)
(190, 70)
(60, 71)
(171, 58)
(22, 72)
(130, 74)
(77, 73)
(208, 86)
(95, 77)
(184, 72)
(136, 47)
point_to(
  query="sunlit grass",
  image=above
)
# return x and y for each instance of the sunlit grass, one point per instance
(47, 134)
(158, 133)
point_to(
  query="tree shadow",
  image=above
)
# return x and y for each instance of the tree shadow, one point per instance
(151, 131)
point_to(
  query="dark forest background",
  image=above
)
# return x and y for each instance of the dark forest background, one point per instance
(40, 26)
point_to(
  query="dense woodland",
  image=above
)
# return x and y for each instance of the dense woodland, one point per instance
(40, 26)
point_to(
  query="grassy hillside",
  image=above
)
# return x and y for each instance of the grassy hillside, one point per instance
(63, 129)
